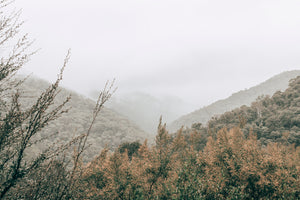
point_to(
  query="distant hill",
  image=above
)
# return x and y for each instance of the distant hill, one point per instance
(272, 119)
(145, 110)
(110, 128)
(244, 97)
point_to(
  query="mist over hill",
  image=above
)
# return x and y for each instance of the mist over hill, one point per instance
(109, 130)
(145, 109)
(245, 97)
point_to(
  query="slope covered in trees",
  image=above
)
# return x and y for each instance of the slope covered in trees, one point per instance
(109, 130)
(248, 153)
(245, 97)
(273, 119)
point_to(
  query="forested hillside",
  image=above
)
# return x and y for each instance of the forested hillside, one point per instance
(56, 144)
(273, 119)
(246, 97)
(109, 130)
(249, 153)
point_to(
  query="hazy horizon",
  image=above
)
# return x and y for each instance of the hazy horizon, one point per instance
(198, 51)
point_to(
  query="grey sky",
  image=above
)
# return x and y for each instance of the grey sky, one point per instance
(198, 50)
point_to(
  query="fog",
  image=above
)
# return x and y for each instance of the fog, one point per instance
(196, 50)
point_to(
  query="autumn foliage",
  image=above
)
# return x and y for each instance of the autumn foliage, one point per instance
(231, 166)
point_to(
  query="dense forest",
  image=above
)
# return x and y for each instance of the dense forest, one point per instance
(252, 152)
(231, 166)
(272, 119)
(279, 82)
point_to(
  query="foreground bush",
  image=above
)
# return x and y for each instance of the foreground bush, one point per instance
(230, 167)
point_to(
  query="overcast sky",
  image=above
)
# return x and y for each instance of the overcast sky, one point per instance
(198, 50)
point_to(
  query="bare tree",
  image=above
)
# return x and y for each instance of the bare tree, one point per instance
(18, 127)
